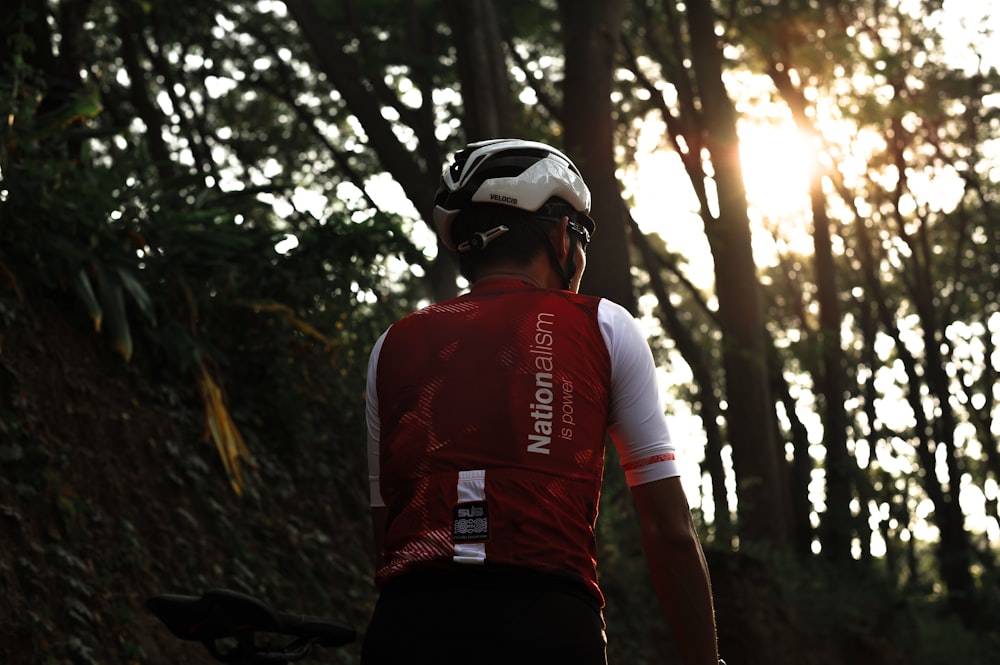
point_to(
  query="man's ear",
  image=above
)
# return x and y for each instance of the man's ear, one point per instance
(559, 237)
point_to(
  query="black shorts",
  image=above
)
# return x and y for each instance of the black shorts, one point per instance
(482, 615)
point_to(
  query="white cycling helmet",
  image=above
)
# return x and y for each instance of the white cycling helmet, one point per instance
(512, 172)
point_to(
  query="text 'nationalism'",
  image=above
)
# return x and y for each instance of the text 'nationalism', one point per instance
(541, 408)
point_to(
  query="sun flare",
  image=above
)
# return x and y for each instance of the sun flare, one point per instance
(777, 166)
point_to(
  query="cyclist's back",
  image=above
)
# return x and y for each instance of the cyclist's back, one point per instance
(487, 421)
(502, 393)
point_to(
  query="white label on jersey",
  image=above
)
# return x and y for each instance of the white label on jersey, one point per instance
(471, 524)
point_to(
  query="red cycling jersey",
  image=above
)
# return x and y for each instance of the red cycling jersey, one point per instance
(487, 417)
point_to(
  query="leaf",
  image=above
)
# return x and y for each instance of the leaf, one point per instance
(228, 441)
(85, 291)
(139, 294)
(113, 301)
(292, 319)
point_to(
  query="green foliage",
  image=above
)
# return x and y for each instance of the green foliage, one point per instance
(858, 609)
(942, 638)
(58, 218)
(179, 271)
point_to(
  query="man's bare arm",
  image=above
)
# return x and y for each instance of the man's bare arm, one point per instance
(678, 568)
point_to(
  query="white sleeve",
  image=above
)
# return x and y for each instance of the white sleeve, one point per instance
(636, 421)
(371, 416)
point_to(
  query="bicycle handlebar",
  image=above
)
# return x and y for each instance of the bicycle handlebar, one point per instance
(220, 614)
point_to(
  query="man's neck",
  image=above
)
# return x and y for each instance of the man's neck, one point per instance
(537, 273)
(519, 276)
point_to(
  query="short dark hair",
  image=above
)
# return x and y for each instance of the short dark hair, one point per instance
(528, 232)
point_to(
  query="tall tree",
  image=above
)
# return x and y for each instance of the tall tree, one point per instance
(591, 38)
(705, 127)
(782, 28)
(484, 75)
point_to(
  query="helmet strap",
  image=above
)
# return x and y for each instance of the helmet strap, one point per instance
(567, 270)
(571, 263)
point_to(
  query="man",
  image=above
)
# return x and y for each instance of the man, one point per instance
(487, 421)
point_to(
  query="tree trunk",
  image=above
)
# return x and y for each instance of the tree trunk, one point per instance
(707, 402)
(752, 429)
(487, 101)
(831, 379)
(800, 469)
(591, 30)
(482, 70)
(954, 548)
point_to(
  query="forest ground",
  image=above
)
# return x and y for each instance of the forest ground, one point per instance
(110, 492)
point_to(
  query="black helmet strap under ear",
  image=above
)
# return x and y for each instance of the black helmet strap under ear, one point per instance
(565, 271)
(571, 264)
